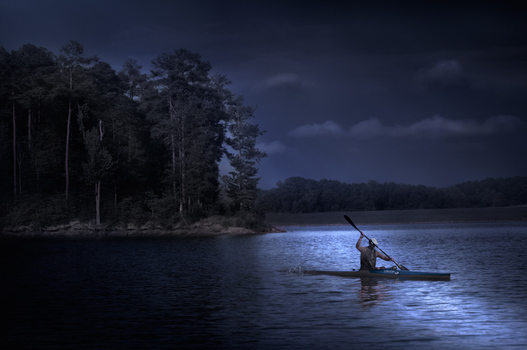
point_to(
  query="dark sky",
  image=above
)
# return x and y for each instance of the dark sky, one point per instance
(415, 92)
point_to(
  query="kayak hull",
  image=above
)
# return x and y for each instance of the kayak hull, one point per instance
(387, 273)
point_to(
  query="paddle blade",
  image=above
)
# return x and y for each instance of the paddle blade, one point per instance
(351, 222)
(401, 267)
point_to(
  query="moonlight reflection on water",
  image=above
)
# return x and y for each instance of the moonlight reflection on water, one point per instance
(252, 292)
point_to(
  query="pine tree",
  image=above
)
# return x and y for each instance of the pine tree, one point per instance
(242, 187)
(34, 68)
(187, 111)
(132, 78)
(72, 62)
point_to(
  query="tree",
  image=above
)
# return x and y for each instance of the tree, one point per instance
(72, 64)
(99, 162)
(132, 78)
(126, 127)
(153, 142)
(108, 112)
(243, 183)
(11, 91)
(5, 147)
(34, 68)
(186, 110)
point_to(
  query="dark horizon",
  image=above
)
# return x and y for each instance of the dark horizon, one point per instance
(399, 183)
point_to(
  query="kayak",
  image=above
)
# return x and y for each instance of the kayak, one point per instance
(387, 273)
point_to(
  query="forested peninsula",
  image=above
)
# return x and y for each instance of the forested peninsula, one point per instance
(88, 150)
(85, 146)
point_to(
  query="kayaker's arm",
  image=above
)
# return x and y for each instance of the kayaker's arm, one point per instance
(383, 257)
(359, 242)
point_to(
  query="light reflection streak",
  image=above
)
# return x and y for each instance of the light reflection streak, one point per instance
(484, 303)
(371, 293)
(437, 307)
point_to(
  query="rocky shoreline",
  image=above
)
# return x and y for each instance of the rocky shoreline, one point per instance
(79, 229)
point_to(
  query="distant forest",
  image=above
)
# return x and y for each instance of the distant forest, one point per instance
(82, 141)
(299, 195)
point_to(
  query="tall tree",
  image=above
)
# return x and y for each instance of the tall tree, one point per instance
(34, 67)
(99, 162)
(5, 96)
(243, 183)
(117, 107)
(72, 63)
(109, 113)
(132, 78)
(10, 89)
(187, 111)
(13, 84)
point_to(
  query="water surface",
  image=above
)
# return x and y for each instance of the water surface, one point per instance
(250, 292)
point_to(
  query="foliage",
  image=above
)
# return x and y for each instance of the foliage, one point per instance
(150, 143)
(39, 211)
(242, 185)
(299, 195)
(186, 111)
(253, 220)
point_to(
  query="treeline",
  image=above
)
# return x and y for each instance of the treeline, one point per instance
(80, 140)
(299, 195)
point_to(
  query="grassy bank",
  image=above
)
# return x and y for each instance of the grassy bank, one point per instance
(498, 214)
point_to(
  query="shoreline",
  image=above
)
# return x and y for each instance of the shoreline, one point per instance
(407, 217)
(76, 229)
(131, 234)
(278, 223)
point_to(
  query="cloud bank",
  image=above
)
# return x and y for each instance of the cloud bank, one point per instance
(286, 79)
(434, 127)
(328, 128)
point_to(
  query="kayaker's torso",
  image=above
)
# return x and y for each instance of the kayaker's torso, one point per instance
(368, 258)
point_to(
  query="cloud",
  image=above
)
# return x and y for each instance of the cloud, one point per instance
(329, 128)
(436, 127)
(274, 147)
(367, 129)
(442, 74)
(286, 79)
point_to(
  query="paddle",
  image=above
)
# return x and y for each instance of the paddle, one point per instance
(352, 224)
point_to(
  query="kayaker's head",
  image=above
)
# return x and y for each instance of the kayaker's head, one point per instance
(373, 242)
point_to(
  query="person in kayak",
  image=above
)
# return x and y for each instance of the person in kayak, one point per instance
(369, 255)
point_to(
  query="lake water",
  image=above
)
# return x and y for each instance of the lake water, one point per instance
(249, 292)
